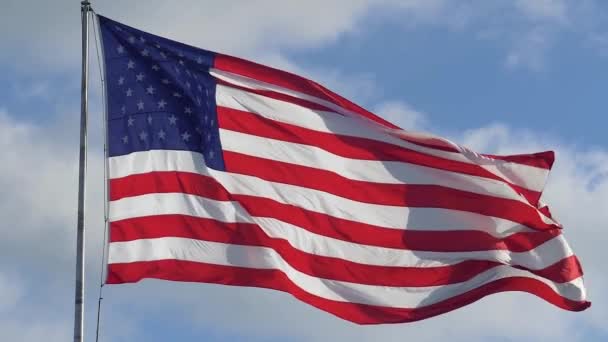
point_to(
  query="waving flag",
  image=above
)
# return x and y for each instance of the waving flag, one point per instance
(225, 171)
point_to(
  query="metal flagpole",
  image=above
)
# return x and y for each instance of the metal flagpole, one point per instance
(85, 7)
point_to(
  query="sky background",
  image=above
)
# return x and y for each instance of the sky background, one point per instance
(497, 76)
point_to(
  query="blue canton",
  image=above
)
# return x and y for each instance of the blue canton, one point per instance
(160, 94)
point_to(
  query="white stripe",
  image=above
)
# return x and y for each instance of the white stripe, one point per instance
(526, 176)
(266, 258)
(538, 258)
(395, 217)
(176, 203)
(157, 160)
(247, 82)
(388, 172)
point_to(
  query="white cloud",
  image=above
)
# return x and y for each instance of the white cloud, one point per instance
(23, 153)
(48, 34)
(600, 42)
(34, 330)
(543, 9)
(11, 291)
(530, 49)
(402, 115)
(38, 173)
(32, 90)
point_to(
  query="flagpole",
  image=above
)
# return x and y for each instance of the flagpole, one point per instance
(85, 7)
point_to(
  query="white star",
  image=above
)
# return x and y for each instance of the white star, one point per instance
(188, 110)
(121, 80)
(181, 62)
(200, 88)
(149, 119)
(165, 81)
(198, 100)
(188, 73)
(130, 121)
(142, 39)
(177, 70)
(132, 40)
(131, 65)
(211, 122)
(120, 49)
(118, 28)
(161, 135)
(163, 55)
(143, 135)
(188, 85)
(176, 94)
(125, 139)
(206, 118)
(145, 53)
(123, 109)
(209, 137)
(186, 136)
(155, 67)
(181, 54)
(161, 104)
(150, 90)
(211, 154)
(199, 60)
(140, 105)
(129, 92)
(172, 120)
(157, 46)
(140, 77)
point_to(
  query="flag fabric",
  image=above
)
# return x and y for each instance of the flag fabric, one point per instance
(226, 171)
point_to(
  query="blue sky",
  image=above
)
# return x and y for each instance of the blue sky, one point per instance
(497, 76)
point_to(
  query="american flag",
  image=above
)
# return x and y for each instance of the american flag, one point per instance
(226, 171)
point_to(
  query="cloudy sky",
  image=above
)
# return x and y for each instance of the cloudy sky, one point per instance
(497, 76)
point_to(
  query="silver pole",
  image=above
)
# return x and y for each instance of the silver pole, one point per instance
(85, 7)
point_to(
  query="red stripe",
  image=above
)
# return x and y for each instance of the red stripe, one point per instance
(406, 195)
(543, 160)
(564, 270)
(545, 210)
(167, 181)
(352, 147)
(250, 234)
(357, 313)
(293, 82)
(356, 232)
